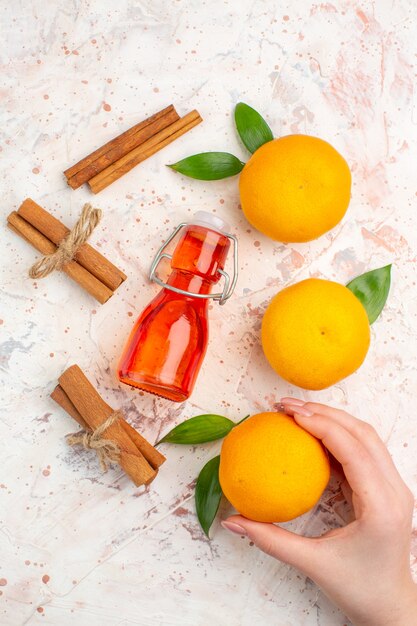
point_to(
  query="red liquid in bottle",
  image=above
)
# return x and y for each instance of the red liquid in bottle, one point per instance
(166, 347)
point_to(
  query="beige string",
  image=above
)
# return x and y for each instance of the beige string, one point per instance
(69, 246)
(106, 449)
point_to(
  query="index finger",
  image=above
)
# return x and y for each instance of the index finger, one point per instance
(366, 481)
(362, 431)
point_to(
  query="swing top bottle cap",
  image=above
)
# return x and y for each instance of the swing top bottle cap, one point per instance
(204, 218)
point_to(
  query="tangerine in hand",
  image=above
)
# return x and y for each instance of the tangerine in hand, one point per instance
(271, 469)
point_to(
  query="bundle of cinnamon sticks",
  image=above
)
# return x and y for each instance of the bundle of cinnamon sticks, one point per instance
(77, 396)
(90, 269)
(117, 157)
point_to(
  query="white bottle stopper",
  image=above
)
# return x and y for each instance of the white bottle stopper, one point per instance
(204, 218)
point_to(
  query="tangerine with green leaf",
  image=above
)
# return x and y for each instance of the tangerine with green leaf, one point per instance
(292, 189)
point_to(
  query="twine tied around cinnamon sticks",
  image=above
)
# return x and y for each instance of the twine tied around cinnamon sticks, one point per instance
(69, 246)
(105, 430)
(57, 243)
(107, 450)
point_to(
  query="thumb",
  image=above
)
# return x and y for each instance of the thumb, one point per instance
(300, 552)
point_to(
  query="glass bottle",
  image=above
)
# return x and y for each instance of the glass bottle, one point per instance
(166, 347)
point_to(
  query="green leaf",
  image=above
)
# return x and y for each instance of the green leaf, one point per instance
(208, 493)
(251, 126)
(199, 429)
(372, 290)
(209, 165)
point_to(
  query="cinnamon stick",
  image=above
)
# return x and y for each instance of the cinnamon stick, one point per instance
(87, 256)
(75, 271)
(64, 402)
(144, 151)
(151, 454)
(95, 411)
(113, 150)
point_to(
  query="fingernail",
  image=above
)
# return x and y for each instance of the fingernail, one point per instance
(235, 528)
(300, 410)
(293, 401)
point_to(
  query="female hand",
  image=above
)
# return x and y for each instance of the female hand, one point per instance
(363, 567)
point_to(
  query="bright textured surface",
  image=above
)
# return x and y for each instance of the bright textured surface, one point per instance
(79, 545)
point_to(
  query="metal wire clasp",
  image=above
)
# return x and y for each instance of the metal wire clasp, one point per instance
(229, 285)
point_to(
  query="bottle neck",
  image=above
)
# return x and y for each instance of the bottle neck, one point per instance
(201, 252)
(189, 282)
